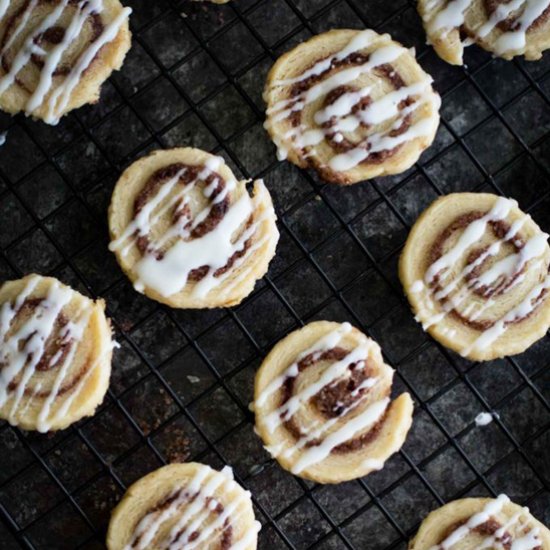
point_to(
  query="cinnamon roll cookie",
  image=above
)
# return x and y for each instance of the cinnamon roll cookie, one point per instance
(505, 28)
(352, 105)
(323, 407)
(184, 506)
(56, 54)
(187, 233)
(55, 354)
(476, 523)
(475, 270)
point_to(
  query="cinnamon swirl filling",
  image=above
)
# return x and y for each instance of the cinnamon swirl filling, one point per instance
(498, 524)
(335, 399)
(512, 23)
(325, 413)
(183, 499)
(504, 27)
(57, 348)
(338, 140)
(184, 506)
(57, 344)
(480, 277)
(188, 227)
(187, 232)
(477, 261)
(13, 40)
(55, 54)
(365, 110)
(52, 342)
(489, 528)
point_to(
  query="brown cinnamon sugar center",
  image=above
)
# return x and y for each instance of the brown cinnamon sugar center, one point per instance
(334, 400)
(188, 175)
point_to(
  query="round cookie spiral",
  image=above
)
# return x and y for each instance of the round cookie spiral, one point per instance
(323, 407)
(187, 233)
(353, 105)
(55, 354)
(475, 270)
(184, 506)
(56, 54)
(505, 28)
(476, 523)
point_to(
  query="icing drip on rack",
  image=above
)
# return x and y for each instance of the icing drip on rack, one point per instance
(351, 108)
(483, 419)
(349, 423)
(25, 353)
(503, 276)
(500, 537)
(55, 95)
(198, 518)
(207, 249)
(525, 14)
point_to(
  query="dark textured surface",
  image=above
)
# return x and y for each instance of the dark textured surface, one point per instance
(182, 379)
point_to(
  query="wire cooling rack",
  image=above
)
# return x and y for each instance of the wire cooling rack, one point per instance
(182, 379)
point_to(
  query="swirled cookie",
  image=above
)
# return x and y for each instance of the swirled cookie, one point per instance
(55, 354)
(352, 105)
(475, 270)
(503, 27)
(476, 523)
(323, 407)
(56, 54)
(188, 506)
(187, 233)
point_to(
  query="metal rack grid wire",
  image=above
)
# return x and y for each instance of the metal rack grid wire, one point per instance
(182, 380)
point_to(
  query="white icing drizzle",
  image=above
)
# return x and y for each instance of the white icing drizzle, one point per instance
(193, 506)
(381, 110)
(528, 541)
(350, 426)
(62, 95)
(522, 310)
(504, 269)
(373, 464)
(256, 245)
(59, 96)
(453, 16)
(169, 275)
(21, 352)
(372, 414)
(473, 232)
(4, 5)
(66, 404)
(491, 508)
(75, 331)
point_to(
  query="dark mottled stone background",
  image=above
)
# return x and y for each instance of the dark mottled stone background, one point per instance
(183, 379)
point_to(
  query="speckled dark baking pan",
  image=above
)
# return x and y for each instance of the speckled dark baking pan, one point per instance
(182, 380)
